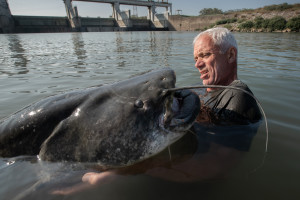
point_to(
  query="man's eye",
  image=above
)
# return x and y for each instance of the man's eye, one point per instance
(202, 55)
(206, 55)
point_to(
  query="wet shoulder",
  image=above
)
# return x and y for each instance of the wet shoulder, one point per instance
(234, 104)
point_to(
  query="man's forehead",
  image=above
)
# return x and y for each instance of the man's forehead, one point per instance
(204, 44)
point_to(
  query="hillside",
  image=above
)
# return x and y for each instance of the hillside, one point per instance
(274, 18)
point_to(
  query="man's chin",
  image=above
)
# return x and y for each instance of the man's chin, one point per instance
(204, 82)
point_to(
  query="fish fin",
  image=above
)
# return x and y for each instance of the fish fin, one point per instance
(58, 145)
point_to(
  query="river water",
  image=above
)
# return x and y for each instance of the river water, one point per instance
(34, 66)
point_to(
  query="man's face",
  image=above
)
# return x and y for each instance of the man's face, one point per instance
(212, 65)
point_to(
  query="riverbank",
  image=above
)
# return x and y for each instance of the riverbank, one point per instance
(275, 18)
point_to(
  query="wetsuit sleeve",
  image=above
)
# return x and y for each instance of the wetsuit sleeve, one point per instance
(233, 106)
(239, 106)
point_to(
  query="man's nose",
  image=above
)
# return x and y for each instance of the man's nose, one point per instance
(199, 63)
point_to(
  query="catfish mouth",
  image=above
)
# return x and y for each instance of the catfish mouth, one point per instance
(171, 120)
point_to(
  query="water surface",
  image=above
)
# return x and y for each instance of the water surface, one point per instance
(34, 66)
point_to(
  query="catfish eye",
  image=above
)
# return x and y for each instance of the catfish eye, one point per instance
(139, 103)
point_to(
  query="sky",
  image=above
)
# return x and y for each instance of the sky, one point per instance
(88, 9)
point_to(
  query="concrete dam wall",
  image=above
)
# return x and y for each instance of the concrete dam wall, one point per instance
(120, 20)
(48, 24)
(41, 24)
(194, 23)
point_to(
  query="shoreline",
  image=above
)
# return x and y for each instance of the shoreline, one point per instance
(248, 21)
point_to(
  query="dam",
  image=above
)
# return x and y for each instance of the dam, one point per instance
(120, 20)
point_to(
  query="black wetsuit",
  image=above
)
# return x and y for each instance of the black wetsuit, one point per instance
(229, 106)
(227, 117)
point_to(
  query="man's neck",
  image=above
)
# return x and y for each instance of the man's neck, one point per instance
(224, 84)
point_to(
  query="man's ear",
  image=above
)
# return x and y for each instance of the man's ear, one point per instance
(232, 55)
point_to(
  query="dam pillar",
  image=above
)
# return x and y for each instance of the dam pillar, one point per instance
(158, 20)
(122, 17)
(7, 24)
(151, 13)
(72, 14)
(116, 10)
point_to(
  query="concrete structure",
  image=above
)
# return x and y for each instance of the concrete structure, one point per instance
(194, 23)
(6, 19)
(123, 18)
(48, 24)
(72, 14)
(41, 24)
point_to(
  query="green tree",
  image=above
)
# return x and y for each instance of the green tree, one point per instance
(258, 22)
(210, 11)
(279, 7)
(226, 21)
(246, 25)
(294, 24)
(277, 23)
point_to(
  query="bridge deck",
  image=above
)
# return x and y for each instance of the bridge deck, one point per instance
(132, 2)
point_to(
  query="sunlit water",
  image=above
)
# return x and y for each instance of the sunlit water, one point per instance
(34, 66)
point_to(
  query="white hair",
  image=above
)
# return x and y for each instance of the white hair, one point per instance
(221, 37)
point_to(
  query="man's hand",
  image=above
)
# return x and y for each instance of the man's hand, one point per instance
(189, 107)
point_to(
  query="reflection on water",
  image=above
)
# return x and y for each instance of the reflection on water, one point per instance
(80, 52)
(33, 66)
(130, 46)
(16, 56)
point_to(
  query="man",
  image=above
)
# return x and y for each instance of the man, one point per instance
(215, 54)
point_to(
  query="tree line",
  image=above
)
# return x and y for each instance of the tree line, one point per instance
(215, 11)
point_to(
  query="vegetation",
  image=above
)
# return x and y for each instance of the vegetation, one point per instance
(246, 25)
(210, 11)
(239, 10)
(242, 20)
(294, 24)
(226, 21)
(279, 7)
(228, 26)
(274, 24)
(258, 21)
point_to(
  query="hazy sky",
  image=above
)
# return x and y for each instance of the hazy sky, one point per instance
(188, 7)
